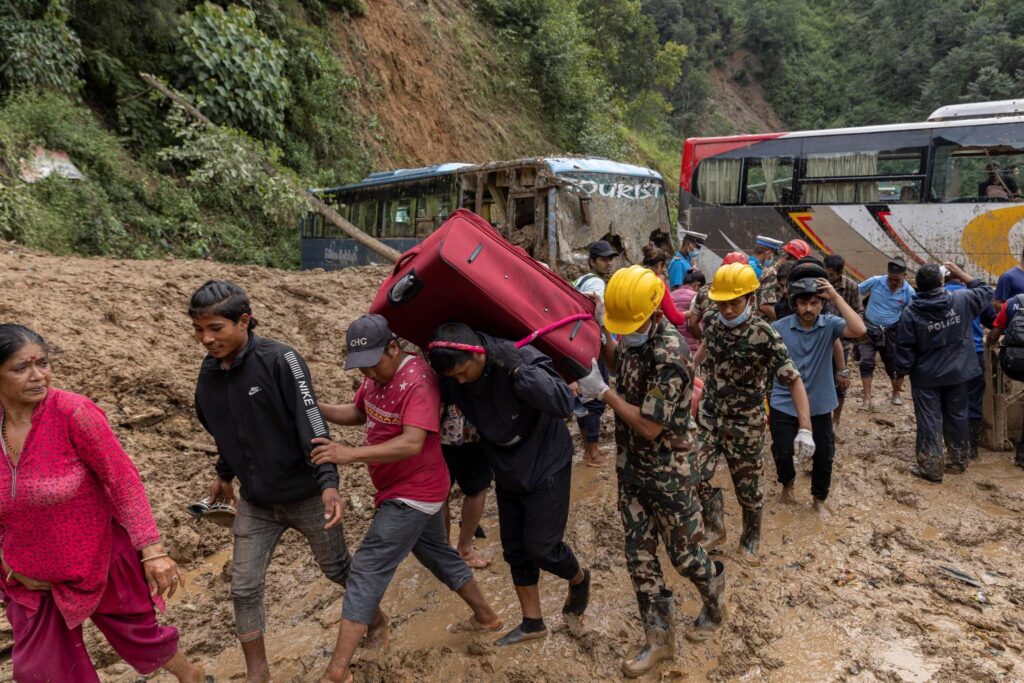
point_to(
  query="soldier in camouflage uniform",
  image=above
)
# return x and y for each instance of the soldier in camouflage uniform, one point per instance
(768, 294)
(702, 305)
(656, 461)
(741, 353)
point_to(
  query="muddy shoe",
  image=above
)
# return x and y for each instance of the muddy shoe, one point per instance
(955, 468)
(579, 597)
(713, 612)
(522, 633)
(714, 521)
(659, 628)
(921, 474)
(751, 537)
(897, 400)
(821, 509)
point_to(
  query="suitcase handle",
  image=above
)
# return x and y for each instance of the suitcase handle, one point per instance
(406, 289)
(406, 257)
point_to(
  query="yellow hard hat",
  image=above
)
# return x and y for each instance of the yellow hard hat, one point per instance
(632, 295)
(733, 281)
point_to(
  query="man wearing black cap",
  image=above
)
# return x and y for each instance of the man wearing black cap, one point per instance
(601, 261)
(889, 295)
(399, 401)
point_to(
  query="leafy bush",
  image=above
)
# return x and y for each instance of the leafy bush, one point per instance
(37, 49)
(236, 71)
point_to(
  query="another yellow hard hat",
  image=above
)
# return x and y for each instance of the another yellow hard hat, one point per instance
(632, 295)
(733, 281)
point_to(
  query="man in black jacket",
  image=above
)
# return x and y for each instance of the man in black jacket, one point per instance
(519, 405)
(255, 397)
(935, 346)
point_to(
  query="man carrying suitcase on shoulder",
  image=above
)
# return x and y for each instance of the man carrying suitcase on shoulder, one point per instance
(656, 464)
(519, 405)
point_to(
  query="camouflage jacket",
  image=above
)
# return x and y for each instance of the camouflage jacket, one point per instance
(705, 306)
(653, 376)
(740, 366)
(768, 292)
(847, 288)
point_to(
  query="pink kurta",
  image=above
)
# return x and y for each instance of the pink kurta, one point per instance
(57, 504)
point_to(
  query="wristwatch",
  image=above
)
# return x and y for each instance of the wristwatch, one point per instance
(845, 372)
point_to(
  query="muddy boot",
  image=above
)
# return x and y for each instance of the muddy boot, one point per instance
(711, 615)
(751, 532)
(656, 615)
(714, 520)
(977, 426)
(922, 473)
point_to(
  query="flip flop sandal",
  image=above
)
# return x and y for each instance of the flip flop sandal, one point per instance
(472, 625)
(221, 514)
(517, 635)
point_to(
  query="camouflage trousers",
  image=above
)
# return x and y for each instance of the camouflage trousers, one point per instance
(674, 518)
(743, 448)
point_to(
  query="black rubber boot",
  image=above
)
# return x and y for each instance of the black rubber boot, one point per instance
(714, 520)
(751, 532)
(977, 426)
(920, 472)
(656, 615)
(579, 597)
(712, 613)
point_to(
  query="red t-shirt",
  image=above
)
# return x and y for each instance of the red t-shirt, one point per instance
(413, 398)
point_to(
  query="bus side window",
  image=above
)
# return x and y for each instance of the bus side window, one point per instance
(769, 180)
(718, 180)
(399, 219)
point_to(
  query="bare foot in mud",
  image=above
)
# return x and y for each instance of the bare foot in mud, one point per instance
(474, 559)
(376, 637)
(821, 509)
(787, 495)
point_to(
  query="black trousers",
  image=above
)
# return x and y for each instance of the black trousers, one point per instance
(941, 416)
(784, 429)
(532, 525)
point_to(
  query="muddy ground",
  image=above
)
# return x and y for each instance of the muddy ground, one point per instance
(858, 597)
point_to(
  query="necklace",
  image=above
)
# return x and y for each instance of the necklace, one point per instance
(7, 444)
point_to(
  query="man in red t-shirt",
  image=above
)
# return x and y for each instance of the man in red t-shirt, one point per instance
(400, 403)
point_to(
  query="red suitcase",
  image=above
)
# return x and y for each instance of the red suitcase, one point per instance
(465, 271)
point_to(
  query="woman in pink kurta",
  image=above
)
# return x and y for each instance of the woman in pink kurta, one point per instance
(77, 537)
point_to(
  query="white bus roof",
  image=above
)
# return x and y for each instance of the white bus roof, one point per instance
(978, 110)
(597, 165)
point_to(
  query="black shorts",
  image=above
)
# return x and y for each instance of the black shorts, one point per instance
(469, 467)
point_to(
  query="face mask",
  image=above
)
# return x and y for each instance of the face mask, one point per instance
(768, 261)
(738, 320)
(694, 254)
(637, 338)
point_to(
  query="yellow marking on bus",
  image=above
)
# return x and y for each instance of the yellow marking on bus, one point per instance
(986, 239)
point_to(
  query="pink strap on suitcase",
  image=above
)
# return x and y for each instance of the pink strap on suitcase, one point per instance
(528, 339)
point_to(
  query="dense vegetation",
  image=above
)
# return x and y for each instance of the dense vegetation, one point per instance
(620, 78)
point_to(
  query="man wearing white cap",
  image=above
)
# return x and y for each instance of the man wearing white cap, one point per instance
(684, 259)
(765, 251)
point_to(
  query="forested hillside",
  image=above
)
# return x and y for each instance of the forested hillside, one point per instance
(330, 89)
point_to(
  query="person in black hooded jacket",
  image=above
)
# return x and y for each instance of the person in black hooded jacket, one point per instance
(519, 405)
(935, 347)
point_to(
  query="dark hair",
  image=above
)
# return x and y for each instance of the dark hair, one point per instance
(785, 269)
(835, 262)
(443, 360)
(653, 256)
(222, 298)
(13, 337)
(928, 277)
(694, 275)
(661, 240)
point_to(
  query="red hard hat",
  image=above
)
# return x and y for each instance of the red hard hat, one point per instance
(798, 249)
(735, 257)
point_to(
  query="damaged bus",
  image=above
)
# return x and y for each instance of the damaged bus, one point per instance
(551, 207)
(945, 189)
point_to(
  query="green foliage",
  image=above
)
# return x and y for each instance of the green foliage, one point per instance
(236, 70)
(37, 49)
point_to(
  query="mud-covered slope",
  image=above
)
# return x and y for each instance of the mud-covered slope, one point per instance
(858, 597)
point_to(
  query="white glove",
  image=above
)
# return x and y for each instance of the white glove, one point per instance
(593, 385)
(803, 445)
(599, 308)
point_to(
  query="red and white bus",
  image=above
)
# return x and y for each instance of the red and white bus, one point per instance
(945, 189)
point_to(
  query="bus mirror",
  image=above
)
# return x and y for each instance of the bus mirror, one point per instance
(585, 209)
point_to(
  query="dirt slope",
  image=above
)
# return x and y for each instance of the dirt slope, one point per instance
(743, 103)
(433, 86)
(859, 597)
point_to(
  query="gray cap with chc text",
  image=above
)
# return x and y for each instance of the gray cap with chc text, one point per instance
(366, 339)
